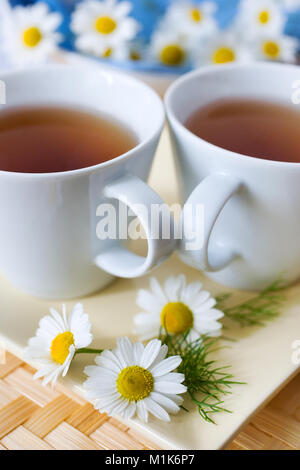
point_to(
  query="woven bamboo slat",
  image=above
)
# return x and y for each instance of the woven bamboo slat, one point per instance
(36, 418)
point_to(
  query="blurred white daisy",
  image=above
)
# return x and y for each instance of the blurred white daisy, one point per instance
(29, 34)
(169, 48)
(259, 17)
(56, 341)
(136, 379)
(137, 50)
(276, 48)
(190, 19)
(103, 28)
(134, 51)
(222, 49)
(177, 308)
(117, 52)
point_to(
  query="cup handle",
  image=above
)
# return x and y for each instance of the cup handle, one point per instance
(139, 197)
(212, 194)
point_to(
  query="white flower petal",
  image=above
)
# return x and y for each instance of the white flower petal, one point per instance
(142, 411)
(169, 387)
(176, 398)
(161, 356)
(206, 306)
(109, 360)
(108, 404)
(130, 410)
(170, 377)
(157, 290)
(123, 8)
(173, 287)
(58, 319)
(67, 363)
(126, 350)
(138, 350)
(98, 371)
(165, 366)
(197, 300)
(190, 291)
(167, 403)
(150, 353)
(119, 409)
(148, 301)
(156, 409)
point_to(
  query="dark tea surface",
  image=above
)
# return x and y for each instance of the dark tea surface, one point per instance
(46, 139)
(255, 128)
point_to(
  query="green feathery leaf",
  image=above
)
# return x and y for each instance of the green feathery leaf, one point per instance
(206, 382)
(257, 310)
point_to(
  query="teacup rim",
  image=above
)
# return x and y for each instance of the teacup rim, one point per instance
(171, 115)
(155, 133)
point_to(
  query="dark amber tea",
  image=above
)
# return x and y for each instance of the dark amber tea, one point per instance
(46, 139)
(255, 128)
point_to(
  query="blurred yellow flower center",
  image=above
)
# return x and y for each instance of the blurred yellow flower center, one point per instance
(172, 54)
(271, 49)
(32, 36)
(264, 17)
(176, 318)
(196, 15)
(135, 383)
(135, 55)
(105, 24)
(60, 346)
(223, 55)
(107, 52)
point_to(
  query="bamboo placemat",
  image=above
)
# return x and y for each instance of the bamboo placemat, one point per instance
(33, 417)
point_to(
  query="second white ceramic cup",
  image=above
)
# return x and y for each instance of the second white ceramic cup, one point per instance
(251, 228)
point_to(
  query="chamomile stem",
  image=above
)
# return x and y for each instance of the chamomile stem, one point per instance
(89, 351)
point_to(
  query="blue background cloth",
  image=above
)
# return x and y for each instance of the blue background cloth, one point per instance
(148, 13)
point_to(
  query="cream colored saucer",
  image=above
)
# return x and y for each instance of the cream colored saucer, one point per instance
(261, 356)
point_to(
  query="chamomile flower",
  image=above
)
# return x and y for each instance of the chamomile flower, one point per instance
(177, 308)
(103, 28)
(192, 20)
(131, 51)
(137, 50)
(169, 48)
(56, 341)
(136, 379)
(117, 52)
(260, 17)
(222, 49)
(29, 34)
(276, 48)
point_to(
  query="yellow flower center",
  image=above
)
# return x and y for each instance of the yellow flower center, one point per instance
(271, 49)
(105, 25)
(264, 17)
(223, 55)
(107, 52)
(176, 318)
(135, 383)
(32, 36)
(135, 55)
(60, 346)
(172, 54)
(196, 15)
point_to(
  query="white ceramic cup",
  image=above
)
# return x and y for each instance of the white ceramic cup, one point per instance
(48, 242)
(251, 230)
